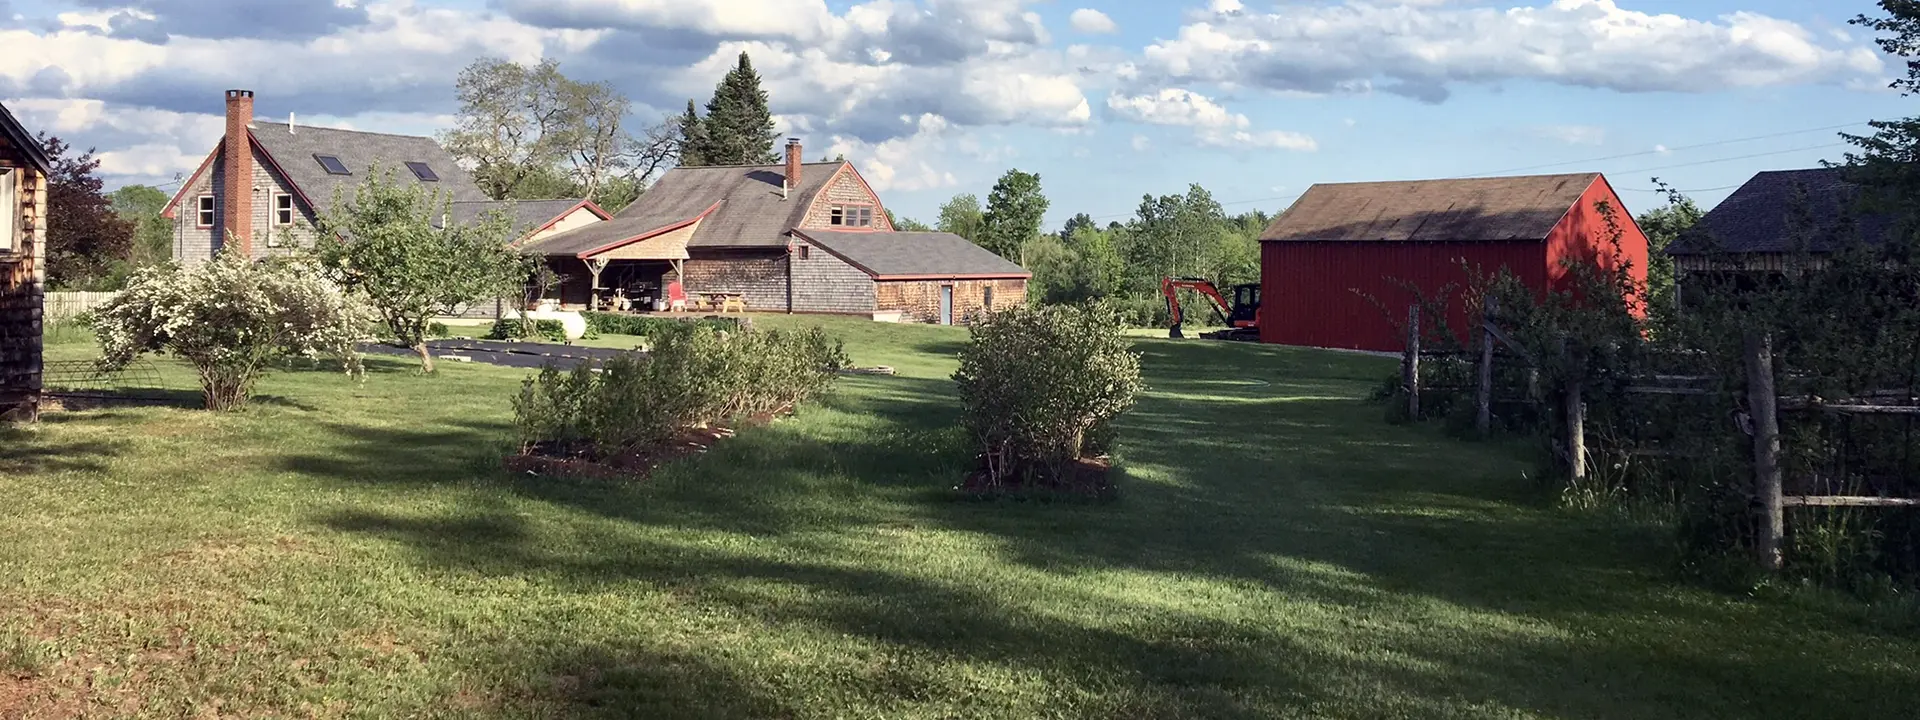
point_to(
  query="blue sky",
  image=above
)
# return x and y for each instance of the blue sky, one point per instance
(1107, 100)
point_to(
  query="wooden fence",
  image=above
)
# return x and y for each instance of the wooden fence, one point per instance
(63, 306)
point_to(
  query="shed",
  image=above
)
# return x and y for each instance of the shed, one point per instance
(1772, 219)
(1341, 266)
(24, 170)
(929, 277)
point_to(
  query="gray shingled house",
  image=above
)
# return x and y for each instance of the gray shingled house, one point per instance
(1773, 218)
(799, 237)
(297, 173)
(23, 274)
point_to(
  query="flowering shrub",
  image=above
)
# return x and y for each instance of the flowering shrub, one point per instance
(1041, 386)
(231, 318)
(694, 376)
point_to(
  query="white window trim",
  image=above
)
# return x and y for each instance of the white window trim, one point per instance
(205, 206)
(9, 207)
(278, 210)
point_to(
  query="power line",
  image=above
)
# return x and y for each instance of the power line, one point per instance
(1678, 190)
(1663, 151)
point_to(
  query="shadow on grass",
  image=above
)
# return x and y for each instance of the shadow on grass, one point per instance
(23, 455)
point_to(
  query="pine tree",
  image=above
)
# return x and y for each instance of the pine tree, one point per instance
(739, 126)
(694, 143)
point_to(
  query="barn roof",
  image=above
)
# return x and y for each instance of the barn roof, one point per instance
(17, 136)
(752, 212)
(913, 254)
(1785, 211)
(1468, 209)
(527, 216)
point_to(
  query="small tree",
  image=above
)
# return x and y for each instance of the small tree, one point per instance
(1015, 210)
(396, 245)
(231, 319)
(1040, 387)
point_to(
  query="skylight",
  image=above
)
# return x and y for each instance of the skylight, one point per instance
(333, 165)
(420, 170)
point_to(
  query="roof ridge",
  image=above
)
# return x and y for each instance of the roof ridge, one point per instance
(759, 165)
(1464, 179)
(345, 130)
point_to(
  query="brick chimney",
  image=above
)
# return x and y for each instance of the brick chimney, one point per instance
(236, 196)
(793, 163)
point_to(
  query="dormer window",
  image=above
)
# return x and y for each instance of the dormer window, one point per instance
(332, 165)
(423, 172)
(851, 216)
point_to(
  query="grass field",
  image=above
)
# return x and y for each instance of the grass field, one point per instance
(352, 550)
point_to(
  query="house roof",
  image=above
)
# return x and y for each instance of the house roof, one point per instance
(601, 237)
(293, 149)
(1468, 209)
(1760, 217)
(528, 215)
(17, 136)
(913, 254)
(751, 214)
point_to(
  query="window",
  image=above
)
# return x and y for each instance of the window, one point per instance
(282, 209)
(420, 170)
(806, 252)
(332, 164)
(9, 207)
(205, 215)
(854, 216)
(986, 297)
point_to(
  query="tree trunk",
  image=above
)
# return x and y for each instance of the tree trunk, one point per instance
(426, 356)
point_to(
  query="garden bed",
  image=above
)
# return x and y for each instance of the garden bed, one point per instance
(1089, 478)
(583, 460)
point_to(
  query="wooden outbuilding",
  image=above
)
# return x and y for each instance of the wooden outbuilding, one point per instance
(1341, 267)
(24, 170)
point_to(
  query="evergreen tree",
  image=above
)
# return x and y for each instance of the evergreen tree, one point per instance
(739, 126)
(693, 138)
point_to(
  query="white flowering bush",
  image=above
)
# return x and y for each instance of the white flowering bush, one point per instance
(232, 319)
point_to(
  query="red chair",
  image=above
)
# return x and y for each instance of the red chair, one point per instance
(676, 297)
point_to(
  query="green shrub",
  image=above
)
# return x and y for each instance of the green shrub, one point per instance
(1041, 386)
(618, 324)
(694, 376)
(521, 330)
(438, 330)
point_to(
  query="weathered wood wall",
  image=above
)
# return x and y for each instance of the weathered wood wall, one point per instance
(23, 279)
(919, 300)
(823, 283)
(759, 276)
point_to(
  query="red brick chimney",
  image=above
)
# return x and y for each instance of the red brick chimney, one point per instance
(236, 197)
(793, 163)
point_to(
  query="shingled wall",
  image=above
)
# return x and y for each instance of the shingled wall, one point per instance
(22, 292)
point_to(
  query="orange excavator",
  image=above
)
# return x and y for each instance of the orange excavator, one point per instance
(1242, 316)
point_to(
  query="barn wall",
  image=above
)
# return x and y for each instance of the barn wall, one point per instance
(759, 276)
(1583, 237)
(23, 279)
(823, 283)
(845, 189)
(919, 300)
(1322, 294)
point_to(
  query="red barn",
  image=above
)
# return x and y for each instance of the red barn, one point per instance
(1343, 252)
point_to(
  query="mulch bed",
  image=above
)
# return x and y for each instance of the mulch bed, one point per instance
(585, 461)
(1089, 478)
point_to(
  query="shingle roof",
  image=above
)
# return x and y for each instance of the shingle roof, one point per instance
(886, 254)
(1760, 217)
(294, 150)
(17, 136)
(1471, 209)
(599, 235)
(751, 213)
(528, 215)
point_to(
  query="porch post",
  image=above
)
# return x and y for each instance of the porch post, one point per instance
(595, 266)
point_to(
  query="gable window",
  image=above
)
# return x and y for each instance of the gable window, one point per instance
(806, 252)
(204, 212)
(422, 171)
(851, 216)
(282, 209)
(9, 206)
(332, 164)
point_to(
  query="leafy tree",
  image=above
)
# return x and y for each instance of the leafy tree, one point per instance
(962, 216)
(1015, 210)
(1662, 226)
(908, 224)
(1079, 220)
(1175, 235)
(739, 125)
(531, 132)
(87, 242)
(390, 249)
(231, 318)
(153, 234)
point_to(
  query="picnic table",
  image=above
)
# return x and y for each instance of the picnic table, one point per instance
(725, 302)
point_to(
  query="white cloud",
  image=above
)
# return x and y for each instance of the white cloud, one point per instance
(902, 163)
(1420, 51)
(1142, 143)
(1213, 124)
(1225, 7)
(1662, 150)
(1092, 22)
(1573, 134)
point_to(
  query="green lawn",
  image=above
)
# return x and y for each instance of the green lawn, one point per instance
(348, 549)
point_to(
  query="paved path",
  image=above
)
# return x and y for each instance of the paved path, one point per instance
(504, 353)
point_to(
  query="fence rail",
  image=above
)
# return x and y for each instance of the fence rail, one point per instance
(62, 306)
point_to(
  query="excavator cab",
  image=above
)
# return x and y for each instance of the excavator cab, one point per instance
(1246, 306)
(1242, 317)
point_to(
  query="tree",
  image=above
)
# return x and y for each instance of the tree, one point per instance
(153, 234)
(1176, 235)
(231, 318)
(389, 249)
(87, 242)
(1015, 210)
(531, 132)
(1079, 220)
(1662, 226)
(907, 224)
(961, 216)
(693, 137)
(1886, 161)
(739, 125)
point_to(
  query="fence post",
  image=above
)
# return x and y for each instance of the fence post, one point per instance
(1576, 409)
(1762, 407)
(1483, 402)
(1410, 365)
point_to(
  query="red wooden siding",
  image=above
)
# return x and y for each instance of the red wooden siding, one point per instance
(1317, 293)
(1583, 237)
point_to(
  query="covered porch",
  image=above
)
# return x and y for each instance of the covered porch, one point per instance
(626, 264)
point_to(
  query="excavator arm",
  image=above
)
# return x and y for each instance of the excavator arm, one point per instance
(1177, 316)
